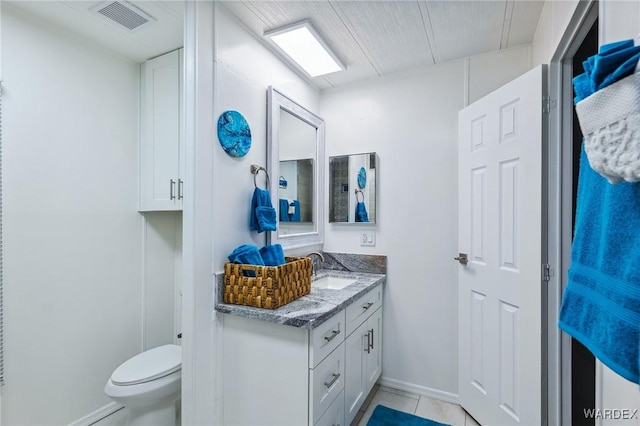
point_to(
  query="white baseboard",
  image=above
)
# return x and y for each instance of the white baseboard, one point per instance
(97, 415)
(420, 390)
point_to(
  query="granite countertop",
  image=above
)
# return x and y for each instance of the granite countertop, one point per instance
(316, 307)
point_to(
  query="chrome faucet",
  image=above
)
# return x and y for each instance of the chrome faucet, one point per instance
(313, 263)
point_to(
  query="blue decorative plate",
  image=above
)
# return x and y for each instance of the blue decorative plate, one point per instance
(234, 133)
(362, 178)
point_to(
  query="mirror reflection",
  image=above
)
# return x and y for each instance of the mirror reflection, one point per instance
(352, 188)
(295, 191)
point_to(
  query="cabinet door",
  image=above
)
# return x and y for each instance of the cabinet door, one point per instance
(356, 346)
(160, 134)
(373, 358)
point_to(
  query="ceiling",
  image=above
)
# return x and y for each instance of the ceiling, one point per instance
(376, 38)
(373, 38)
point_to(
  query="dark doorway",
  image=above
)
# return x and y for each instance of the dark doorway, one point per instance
(583, 368)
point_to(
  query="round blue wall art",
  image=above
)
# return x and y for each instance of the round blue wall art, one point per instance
(362, 177)
(234, 133)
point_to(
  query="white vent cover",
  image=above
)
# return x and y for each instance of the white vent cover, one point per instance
(123, 13)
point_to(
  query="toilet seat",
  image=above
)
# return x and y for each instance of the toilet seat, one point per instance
(149, 365)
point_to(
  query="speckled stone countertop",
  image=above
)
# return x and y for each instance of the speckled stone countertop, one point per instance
(316, 307)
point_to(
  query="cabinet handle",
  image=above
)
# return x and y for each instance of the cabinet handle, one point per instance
(367, 306)
(172, 185)
(336, 376)
(371, 331)
(368, 348)
(334, 333)
(180, 183)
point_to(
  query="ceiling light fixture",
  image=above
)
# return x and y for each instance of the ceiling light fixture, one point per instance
(302, 44)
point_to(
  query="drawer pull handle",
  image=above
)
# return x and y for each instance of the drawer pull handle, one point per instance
(332, 336)
(180, 183)
(371, 331)
(367, 306)
(368, 348)
(336, 376)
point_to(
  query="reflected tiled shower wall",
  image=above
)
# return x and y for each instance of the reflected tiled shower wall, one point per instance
(305, 190)
(339, 189)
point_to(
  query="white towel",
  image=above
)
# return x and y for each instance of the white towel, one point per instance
(292, 206)
(610, 123)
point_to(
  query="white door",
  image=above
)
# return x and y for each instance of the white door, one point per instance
(500, 231)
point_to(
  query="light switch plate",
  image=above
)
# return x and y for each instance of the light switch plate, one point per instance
(368, 238)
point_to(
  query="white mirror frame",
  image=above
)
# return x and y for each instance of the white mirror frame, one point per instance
(277, 101)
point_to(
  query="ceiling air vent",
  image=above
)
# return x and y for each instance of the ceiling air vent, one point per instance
(123, 14)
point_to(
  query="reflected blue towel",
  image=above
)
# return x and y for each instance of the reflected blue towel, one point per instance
(601, 304)
(273, 255)
(263, 215)
(361, 212)
(284, 211)
(284, 208)
(295, 217)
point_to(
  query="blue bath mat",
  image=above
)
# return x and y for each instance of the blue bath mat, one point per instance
(385, 416)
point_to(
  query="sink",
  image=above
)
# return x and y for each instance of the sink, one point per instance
(334, 283)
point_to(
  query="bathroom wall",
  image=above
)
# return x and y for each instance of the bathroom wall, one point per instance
(80, 290)
(552, 25)
(410, 120)
(242, 86)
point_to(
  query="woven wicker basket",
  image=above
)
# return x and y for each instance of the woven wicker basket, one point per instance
(272, 286)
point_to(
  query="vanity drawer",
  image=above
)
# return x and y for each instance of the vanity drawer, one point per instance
(362, 308)
(325, 338)
(334, 416)
(326, 382)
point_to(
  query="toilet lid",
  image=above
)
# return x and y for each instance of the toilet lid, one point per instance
(149, 365)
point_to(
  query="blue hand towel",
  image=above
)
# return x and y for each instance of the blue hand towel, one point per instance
(295, 217)
(284, 210)
(246, 254)
(361, 212)
(273, 255)
(263, 215)
(601, 304)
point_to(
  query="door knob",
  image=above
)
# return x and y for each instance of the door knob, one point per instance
(462, 258)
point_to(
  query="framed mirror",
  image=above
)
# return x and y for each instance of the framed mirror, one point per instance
(295, 153)
(353, 188)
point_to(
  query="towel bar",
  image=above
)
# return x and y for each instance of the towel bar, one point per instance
(255, 169)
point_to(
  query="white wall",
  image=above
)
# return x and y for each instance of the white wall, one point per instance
(410, 120)
(618, 20)
(242, 86)
(74, 245)
(552, 25)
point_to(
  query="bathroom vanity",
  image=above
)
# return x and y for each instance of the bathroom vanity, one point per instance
(312, 361)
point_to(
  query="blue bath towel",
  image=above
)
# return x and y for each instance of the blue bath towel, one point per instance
(601, 304)
(272, 255)
(361, 212)
(263, 215)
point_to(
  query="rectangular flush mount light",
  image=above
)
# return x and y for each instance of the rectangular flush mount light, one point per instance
(303, 45)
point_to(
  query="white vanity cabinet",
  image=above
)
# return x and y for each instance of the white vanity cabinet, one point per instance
(161, 133)
(281, 375)
(363, 350)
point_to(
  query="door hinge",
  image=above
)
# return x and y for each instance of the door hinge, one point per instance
(547, 272)
(548, 104)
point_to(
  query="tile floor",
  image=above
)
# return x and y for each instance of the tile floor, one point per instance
(433, 409)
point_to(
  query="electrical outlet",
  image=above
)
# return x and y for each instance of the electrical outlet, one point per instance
(368, 238)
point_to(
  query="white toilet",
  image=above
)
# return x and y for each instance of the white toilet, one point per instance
(148, 385)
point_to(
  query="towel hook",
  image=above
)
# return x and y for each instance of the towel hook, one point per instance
(361, 193)
(255, 169)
